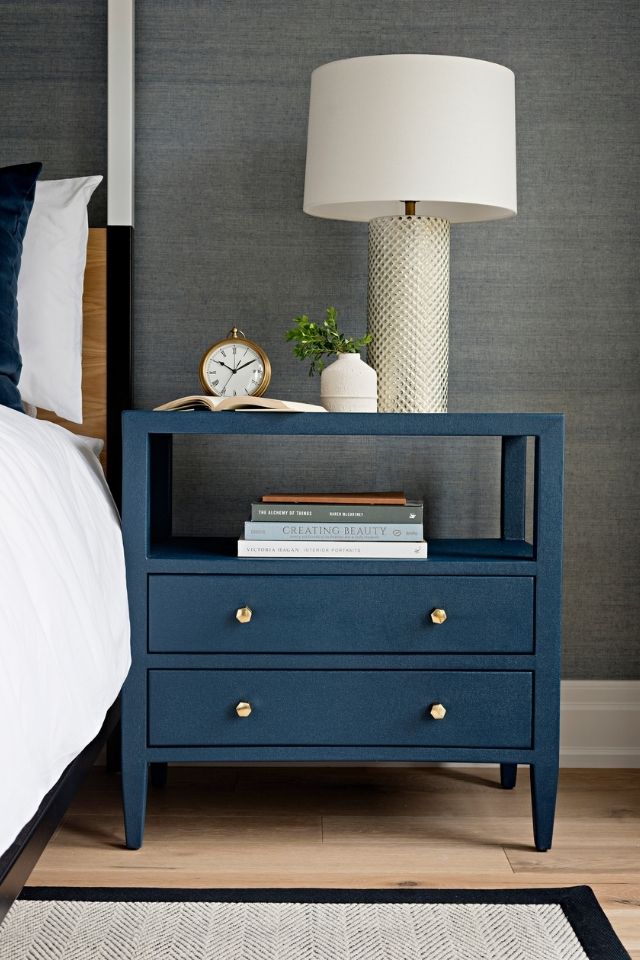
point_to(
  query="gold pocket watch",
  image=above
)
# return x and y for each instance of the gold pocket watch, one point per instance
(235, 367)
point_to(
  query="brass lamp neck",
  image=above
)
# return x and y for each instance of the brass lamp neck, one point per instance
(409, 208)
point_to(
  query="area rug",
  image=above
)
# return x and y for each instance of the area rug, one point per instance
(65, 923)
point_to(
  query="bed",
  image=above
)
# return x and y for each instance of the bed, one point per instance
(63, 615)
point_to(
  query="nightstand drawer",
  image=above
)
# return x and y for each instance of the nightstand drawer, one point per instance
(340, 707)
(332, 614)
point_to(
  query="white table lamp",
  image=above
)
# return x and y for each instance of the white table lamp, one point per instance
(411, 143)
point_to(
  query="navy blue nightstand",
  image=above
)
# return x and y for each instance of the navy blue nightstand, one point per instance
(219, 658)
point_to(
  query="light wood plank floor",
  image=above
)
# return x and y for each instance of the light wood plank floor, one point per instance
(358, 827)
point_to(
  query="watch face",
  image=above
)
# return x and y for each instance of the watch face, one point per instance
(234, 368)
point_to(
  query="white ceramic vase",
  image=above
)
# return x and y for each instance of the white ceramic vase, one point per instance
(349, 385)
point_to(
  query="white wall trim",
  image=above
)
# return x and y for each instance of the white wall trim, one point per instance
(600, 723)
(120, 122)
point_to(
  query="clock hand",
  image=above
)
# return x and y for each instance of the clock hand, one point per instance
(237, 366)
(228, 379)
(234, 354)
(245, 365)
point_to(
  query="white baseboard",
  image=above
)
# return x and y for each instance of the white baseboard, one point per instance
(600, 723)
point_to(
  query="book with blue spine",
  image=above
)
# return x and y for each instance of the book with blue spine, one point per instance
(303, 530)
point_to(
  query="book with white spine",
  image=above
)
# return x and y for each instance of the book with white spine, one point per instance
(333, 549)
(300, 530)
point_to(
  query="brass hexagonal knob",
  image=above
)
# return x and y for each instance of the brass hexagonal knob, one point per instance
(243, 709)
(438, 615)
(244, 614)
(438, 711)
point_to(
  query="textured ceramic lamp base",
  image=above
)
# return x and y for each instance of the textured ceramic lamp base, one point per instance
(409, 312)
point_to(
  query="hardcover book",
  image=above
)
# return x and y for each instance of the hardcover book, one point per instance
(246, 404)
(332, 549)
(396, 532)
(345, 513)
(381, 497)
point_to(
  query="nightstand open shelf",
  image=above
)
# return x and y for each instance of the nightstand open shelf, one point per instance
(458, 550)
(494, 664)
(459, 555)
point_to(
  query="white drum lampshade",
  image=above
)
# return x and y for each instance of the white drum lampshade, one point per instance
(411, 143)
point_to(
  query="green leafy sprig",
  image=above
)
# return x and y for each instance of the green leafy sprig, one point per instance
(315, 341)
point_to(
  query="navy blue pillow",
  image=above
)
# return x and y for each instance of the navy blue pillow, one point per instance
(17, 190)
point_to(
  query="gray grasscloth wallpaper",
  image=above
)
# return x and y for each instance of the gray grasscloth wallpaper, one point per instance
(53, 83)
(543, 307)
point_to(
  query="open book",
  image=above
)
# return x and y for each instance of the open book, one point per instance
(248, 404)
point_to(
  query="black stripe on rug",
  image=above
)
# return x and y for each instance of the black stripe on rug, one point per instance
(579, 904)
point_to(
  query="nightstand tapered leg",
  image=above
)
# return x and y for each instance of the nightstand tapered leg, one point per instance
(134, 798)
(508, 774)
(544, 786)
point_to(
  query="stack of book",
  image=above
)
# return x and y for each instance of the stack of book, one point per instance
(382, 526)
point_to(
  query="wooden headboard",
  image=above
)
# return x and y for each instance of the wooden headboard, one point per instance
(94, 344)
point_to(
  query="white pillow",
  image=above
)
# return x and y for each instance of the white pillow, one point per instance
(50, 286)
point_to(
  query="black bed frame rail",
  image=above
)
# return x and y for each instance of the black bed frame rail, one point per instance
(19, 860)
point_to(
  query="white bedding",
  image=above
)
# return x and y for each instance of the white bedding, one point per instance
(64, 625)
